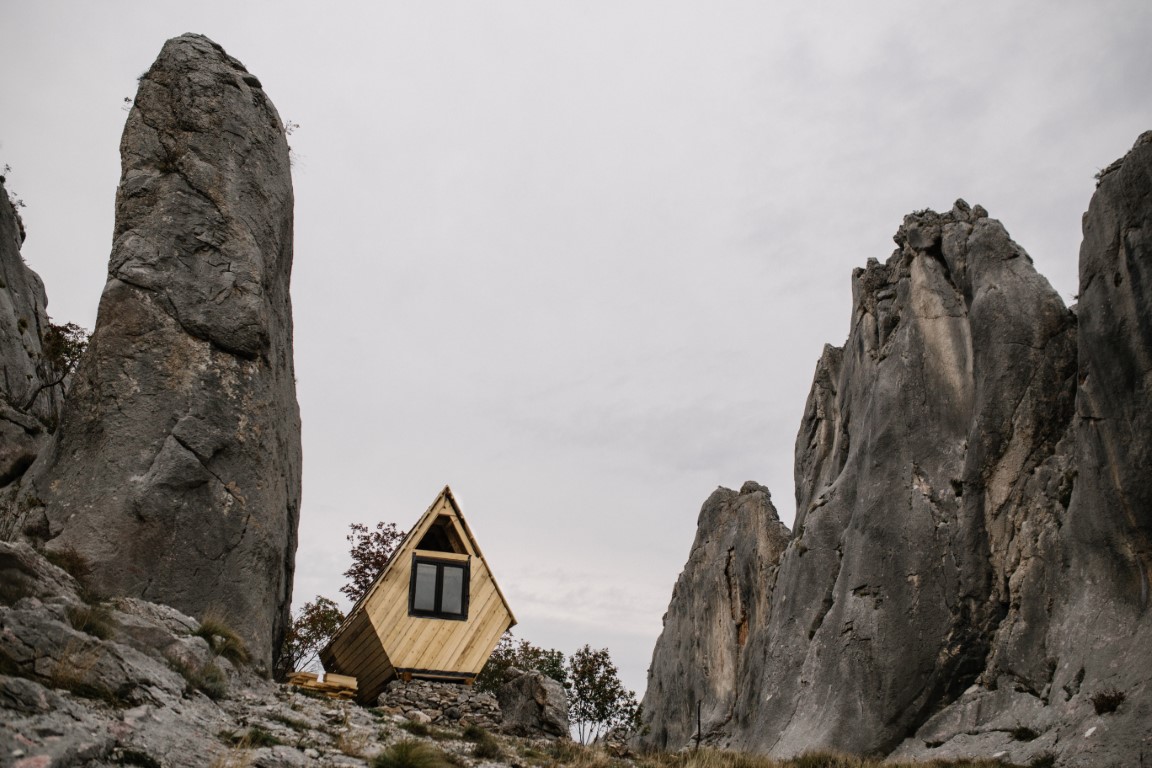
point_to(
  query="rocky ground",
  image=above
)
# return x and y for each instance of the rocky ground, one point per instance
(85, 682)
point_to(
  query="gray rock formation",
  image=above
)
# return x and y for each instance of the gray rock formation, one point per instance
(533, 704)
(127, 683)
(718, 599)
(1072, 660)
(29, 405)
(176, 467)
(969, 571)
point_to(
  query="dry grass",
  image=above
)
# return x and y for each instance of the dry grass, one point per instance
(73, 672)
(222, 639)
(710, 758)
(14, 587)
(75, 564)
(95, 620)
(207, 678)
(411, 754)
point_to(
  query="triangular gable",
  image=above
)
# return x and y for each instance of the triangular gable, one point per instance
(408, 544)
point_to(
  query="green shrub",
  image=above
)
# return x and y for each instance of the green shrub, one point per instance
(411, 754)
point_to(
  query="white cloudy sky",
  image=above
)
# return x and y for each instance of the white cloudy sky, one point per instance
(578, 259)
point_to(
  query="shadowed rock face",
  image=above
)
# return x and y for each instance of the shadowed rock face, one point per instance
(176, 467)
(970, 568)
(28, 402)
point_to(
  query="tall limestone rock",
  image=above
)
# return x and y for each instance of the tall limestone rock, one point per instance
(970, 572)
(1072, 659)
(29, 403)
(718, 598)
(176, 467)
(954, 384)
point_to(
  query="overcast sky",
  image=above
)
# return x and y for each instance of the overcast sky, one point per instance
(578, 260)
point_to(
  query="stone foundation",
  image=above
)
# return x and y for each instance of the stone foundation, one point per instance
(425, 701)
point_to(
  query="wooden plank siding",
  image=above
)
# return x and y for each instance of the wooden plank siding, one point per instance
(379, 637)
(361, 656)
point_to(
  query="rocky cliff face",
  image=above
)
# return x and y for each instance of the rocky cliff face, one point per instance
(29, 404)
(176, 467)
(718, 598)
(969, 569)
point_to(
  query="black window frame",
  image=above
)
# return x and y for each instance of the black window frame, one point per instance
(440, 564)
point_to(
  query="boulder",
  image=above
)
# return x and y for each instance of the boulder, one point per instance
(533, 704)
(176, 467)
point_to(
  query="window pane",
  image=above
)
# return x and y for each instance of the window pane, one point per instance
(424, 590)
(452, 598)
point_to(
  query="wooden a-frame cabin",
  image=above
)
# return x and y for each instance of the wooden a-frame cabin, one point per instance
(434, 612)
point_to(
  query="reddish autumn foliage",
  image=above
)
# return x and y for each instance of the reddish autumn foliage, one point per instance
(370, 552)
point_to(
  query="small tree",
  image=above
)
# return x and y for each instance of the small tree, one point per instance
(370, 552)
(597, 701)
(61, 348)
(309, 631)
(522, 655)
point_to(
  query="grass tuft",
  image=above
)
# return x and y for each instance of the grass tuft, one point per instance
(411, 754)
(14, 587)
(473, 732)
(77, 565)
(488, 749)
(95, 620)
(415, 728)
(223, 640)
(207, 678)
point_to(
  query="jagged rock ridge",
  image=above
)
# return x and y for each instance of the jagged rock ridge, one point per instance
(176, 466)
(970, 563)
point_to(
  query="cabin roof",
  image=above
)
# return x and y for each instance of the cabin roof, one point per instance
(408, 543)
